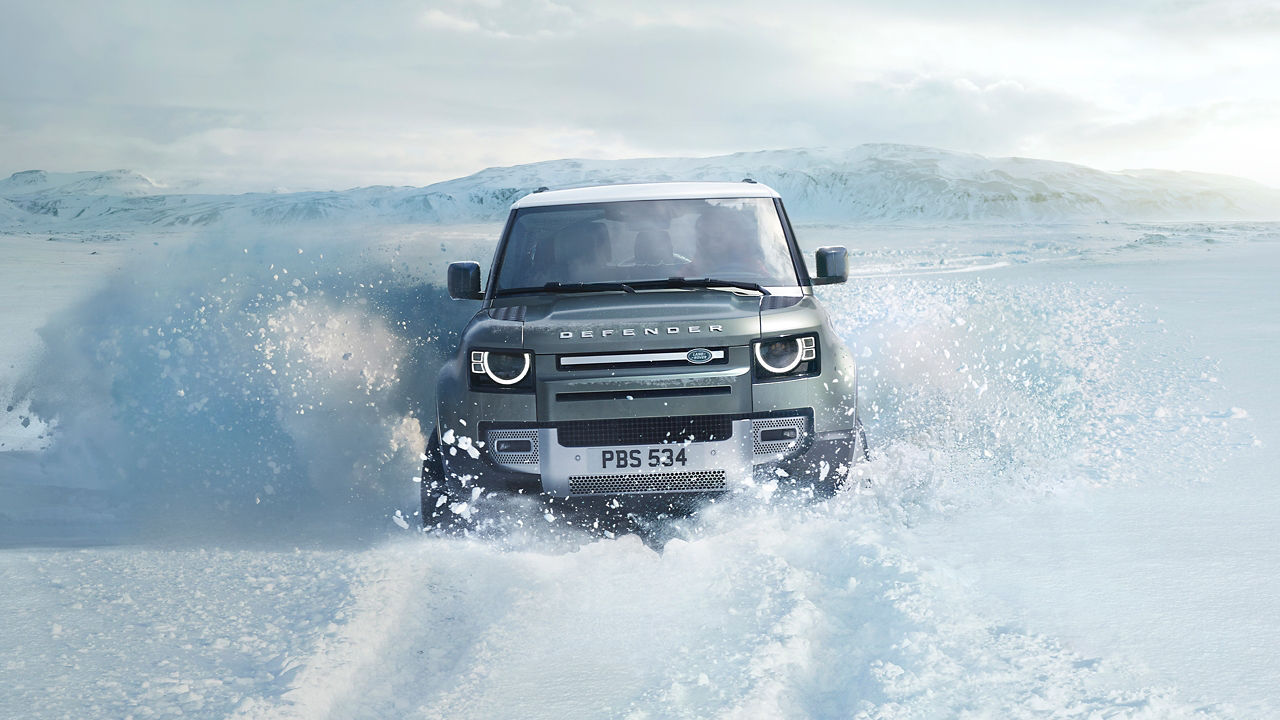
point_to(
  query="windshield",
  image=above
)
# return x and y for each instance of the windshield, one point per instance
(738, 239)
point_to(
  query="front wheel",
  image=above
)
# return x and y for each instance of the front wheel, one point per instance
(861, 451)
(437, 494)
(829, 465)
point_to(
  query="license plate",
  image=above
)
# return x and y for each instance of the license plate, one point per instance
(645, 457)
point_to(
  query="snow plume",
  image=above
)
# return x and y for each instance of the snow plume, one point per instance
(242, 380)
(981, 390)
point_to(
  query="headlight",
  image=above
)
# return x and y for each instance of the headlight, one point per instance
(787, 356)
(497, 369)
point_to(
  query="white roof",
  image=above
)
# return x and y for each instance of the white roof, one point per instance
(646, 191)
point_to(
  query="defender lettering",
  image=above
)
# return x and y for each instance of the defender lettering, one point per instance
(630, 332)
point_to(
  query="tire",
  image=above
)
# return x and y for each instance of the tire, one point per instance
(435, 486)
(861, 451)
(844, 454)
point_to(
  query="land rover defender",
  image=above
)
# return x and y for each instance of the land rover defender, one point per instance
(643, 343)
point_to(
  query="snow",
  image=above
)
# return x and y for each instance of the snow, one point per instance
(866, 183)
(1205, 630)
(123, 183)
(211, 438)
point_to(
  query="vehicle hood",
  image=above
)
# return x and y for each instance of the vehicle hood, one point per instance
(647, 320)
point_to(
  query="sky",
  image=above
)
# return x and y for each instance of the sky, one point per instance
(262, 95)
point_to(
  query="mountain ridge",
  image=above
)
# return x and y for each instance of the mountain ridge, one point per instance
(867, 183)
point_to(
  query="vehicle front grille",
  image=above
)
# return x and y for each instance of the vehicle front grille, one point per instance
(645, 431)
(642, 360)
(694, 481)
(670, 392)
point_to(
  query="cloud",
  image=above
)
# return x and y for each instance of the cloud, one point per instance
(504, 20)
(413, 92)
(1231, 18)
(436, 18)
(1234, 137)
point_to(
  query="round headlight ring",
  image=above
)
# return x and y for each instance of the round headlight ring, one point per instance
(779, 370)
(484, 361)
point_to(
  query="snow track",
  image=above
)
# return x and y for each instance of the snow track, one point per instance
(791, 616)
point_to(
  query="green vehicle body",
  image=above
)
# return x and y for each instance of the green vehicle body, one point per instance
(649, 393)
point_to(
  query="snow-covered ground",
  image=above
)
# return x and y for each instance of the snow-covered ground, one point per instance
(1071, 513)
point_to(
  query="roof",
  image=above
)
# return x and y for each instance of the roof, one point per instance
(646, 191)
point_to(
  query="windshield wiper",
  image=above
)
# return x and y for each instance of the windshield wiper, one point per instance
(671, 282)
(705, 282)
(571, 288)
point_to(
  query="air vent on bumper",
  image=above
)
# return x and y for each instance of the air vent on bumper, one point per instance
(517, 449)
(777, 436)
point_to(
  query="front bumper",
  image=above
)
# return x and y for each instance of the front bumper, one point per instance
(638, 456)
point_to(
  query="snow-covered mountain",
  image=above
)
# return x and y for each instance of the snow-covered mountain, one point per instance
(122, 183)
(900, 182)
(866, 183)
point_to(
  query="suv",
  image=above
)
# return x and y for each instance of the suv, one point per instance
(642, 343)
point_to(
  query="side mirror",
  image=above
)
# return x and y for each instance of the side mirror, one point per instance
(464, 281)
(833, 266)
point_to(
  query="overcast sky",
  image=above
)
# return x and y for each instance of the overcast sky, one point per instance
(316, 95)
